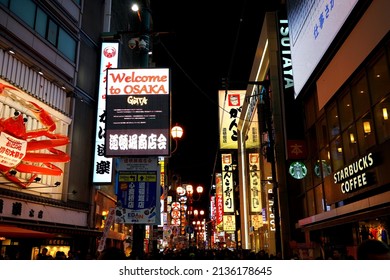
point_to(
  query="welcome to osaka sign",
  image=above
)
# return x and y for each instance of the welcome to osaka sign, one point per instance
(137, 112)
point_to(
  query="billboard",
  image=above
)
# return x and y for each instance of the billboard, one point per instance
(138, 112)
(313, 25)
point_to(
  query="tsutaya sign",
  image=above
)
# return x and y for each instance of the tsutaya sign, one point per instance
(138, 114)
(354, 176)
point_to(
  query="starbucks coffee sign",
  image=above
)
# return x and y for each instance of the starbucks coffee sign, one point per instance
(354, 176)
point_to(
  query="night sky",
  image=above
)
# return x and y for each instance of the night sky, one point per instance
(202, 45)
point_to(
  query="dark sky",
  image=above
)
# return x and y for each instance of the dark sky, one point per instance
(207, 40)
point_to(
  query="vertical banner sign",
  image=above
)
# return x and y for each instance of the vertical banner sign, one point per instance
(218, 199)
(107, 225)
(229, 115)
(102, 170)
(270, 208)
(227, 183)
(255, 183)
(138, 112)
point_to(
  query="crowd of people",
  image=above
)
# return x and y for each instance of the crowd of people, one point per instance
(370, 249)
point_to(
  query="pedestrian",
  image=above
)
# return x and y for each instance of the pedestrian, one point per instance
(372, 249)
(43, 255)
(112, 253)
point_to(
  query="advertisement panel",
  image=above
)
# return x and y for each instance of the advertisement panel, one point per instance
(218, 199)
(255, 183)
(313, 25)
(227, 183)
(102, 170)
(139, 197)
(230, 105)
(138, 112)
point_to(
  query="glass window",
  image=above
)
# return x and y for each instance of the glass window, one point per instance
(365, 130)
(382, 122)
(52, 32)
(311, 207)
(41, 23)
(379, 79)
(350, 144)
(319, 197)
(333, 122)
(336, 154)
(360, 96)
(345, 109)
(67, 45)
(25, 10)
(322, 132)
(4, 2)
(308, 180)
(310, 110)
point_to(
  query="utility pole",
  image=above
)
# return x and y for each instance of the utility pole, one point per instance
(144, 16)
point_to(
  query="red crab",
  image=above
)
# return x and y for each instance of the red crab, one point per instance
(18, 147)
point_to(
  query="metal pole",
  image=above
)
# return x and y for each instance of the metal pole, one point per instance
(139, 229)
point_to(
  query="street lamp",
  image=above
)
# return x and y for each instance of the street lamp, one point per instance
(190, 212)
(177, 134)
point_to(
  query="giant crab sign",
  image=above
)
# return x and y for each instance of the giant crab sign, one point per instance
(24, 151)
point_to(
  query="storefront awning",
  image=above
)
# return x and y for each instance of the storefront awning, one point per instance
(12, 231)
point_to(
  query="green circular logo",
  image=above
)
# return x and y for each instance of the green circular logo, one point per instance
(298, 170)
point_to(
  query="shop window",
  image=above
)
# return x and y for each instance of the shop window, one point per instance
(350, 143)
(333, 122)
(360, 96)
(382, 122)
(336, 154)
(345, 109)
(379, 79)
(365, 130)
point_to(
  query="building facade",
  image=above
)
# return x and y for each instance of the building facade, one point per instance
(49, 53)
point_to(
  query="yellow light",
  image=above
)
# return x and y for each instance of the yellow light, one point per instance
(367, 127)
(352, 138)
(190, 189)
(176, 132)
(385, 115)
(199, 189)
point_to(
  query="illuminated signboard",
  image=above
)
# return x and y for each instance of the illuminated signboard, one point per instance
(227, 183)
(138, 112)
(313, 25)
(230, 104)
(102, 172)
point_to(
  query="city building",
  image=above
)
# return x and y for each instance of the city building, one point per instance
(49, 53)
(323, 126)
